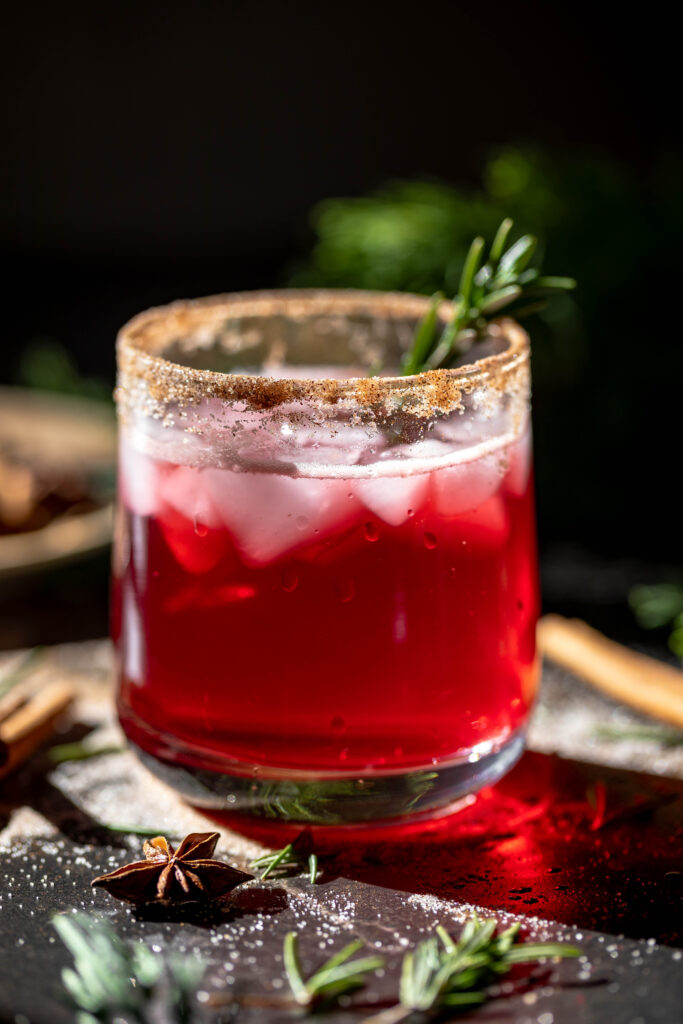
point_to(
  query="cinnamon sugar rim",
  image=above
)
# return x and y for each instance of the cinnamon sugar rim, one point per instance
(150, 333)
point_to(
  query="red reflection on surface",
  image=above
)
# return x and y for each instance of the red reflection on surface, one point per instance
(563, 840)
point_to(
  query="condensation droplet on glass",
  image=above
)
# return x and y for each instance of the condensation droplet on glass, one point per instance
(430, 541)
(343, 754)
(201, 529)
(410, 512)
(301, 522)
(289, 579)
(371, 532)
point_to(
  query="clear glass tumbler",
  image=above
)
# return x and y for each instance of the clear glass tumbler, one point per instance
(325, 581)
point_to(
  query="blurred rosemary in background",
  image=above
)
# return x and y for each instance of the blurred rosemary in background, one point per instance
(47, 365)
(660, 605)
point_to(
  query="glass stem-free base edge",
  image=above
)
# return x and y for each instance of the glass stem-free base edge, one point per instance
(342, 800)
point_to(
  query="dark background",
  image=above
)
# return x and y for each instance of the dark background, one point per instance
(162, 151)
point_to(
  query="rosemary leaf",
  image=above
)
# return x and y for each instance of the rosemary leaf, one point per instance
(498, 244)
(337, 976)
(498, 300)
(443, 972)
(290, 955)
(283, 856)
(529, 951)
(423, 341)
(517, 257)
(505, 281)
(648, 733)
(313, 868)
(293, 855)
(134, 830)
(343, 955)
(111, 981)
(79, 752)
(472, 261)
(560, 284)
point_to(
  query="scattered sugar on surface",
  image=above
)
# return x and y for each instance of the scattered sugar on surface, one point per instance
(36, 884)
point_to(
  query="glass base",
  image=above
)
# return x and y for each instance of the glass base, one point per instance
(341, 799)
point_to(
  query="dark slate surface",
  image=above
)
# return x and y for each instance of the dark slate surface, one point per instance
(533, 848)
(616, 981)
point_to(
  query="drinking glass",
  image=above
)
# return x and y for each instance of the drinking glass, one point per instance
(325, 580)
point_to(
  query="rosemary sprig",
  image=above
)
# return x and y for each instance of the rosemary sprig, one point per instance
(338, 976)
(442, 973)
(112, 982)
(503, 283)
(292, 856)
(79, 751)
(647, 733)
(136, 830)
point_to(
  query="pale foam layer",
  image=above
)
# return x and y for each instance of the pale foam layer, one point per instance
(270, 514)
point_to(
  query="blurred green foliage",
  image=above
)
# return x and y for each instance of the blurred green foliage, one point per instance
(47, 365)
(660, 605)
(599, 390)
(600, 220)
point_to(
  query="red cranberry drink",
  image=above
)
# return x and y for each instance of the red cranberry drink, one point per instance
(329, 623)
(325, 591)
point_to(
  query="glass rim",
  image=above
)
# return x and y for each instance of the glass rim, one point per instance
(141, 340)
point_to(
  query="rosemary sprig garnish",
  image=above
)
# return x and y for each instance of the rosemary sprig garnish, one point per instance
(112, 982)
(442, 973)
(292, 856)
(503, 283)
(338, 976)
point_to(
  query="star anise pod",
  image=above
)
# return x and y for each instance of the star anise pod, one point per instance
(187, 874)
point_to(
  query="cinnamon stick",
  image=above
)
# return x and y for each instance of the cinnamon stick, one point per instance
(26, 721)
(623, 674)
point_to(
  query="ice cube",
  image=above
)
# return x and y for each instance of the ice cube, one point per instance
(519, 465)
(487, 525)
(139, 481)
(196, 547)
(344, 445)
(418, 454)
(270, 514)
(469, 428)
(184, 490)
(465, 486)
(392, 498)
